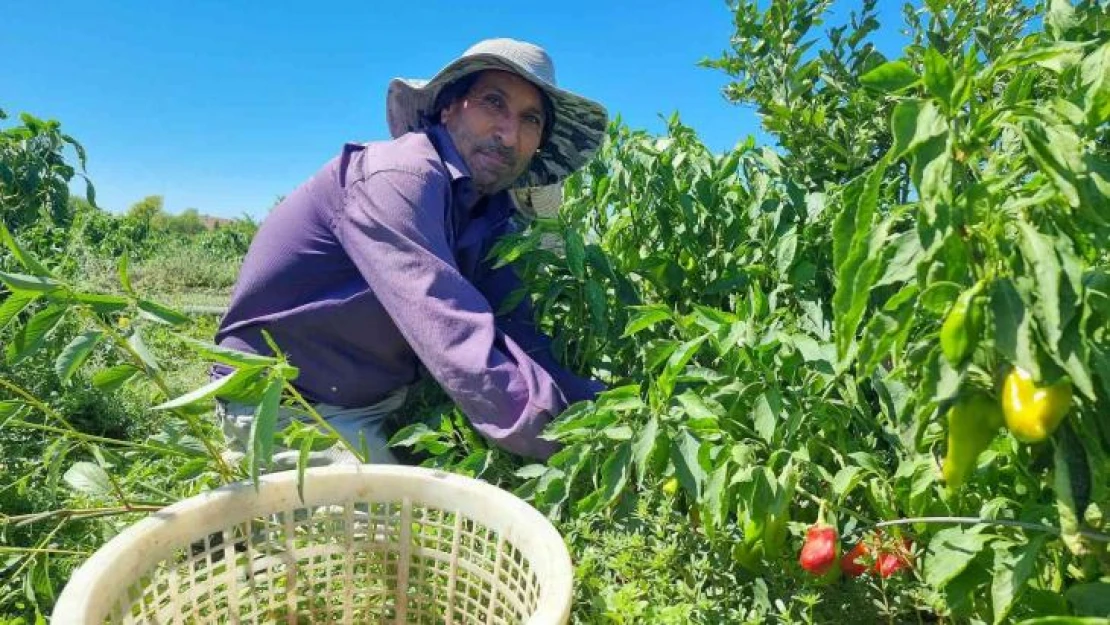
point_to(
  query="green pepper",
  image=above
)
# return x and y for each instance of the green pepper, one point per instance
(973, 421)
(962, 326)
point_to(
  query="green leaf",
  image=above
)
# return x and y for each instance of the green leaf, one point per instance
(620, 399)
(888, 329)
(614, 473)
(716, 496)
(903, 264)
(227, 356)
(263, 426)
(684, 454)
(1060, 18)
(1040, 257)
(207, 391)
(8, 409)
(1072, 483)
(29, 262)
(531, 471)
(857, 253)
(914, 123)
(1041, 53)
(643, 447)
(23, 283)
(161, 314)
(768, 412)
(939, 79)
(1012, 570)
(1095, 72)
(1058, 152)
(102, 303)
(695, 407)
(597, 303)
(644, 317)
(139, 347)
(576, 254)
(88, 478)
(846, 480)
(618, 433)
(13, 305)
(1091, 599)
(785, 251)
(412, 434)
(123, 271)
(676, 363)
(75, 354)
(1013, 326)
(32, 336)
(890, 77)
(110, 379)
(949, 553)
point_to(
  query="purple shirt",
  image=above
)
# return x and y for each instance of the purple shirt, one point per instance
(376, 265)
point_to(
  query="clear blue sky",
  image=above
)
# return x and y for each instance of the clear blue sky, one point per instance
(223, 106)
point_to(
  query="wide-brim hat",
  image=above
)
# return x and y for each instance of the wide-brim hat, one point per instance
(579, 126)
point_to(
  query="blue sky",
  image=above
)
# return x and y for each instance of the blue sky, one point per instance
(223, 106)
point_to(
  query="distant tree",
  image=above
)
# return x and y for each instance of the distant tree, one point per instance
(187, 223)
(147, 210)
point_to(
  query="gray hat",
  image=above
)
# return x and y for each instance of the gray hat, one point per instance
(579, 123)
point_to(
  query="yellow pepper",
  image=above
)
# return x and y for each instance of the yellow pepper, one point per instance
(670, 487)
(972, 423)
(1033, 412)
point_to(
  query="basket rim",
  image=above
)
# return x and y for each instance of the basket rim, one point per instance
(88, 595)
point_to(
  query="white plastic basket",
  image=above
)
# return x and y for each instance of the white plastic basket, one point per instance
(368, 544)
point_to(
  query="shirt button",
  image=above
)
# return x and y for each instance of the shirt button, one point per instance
(333, 389)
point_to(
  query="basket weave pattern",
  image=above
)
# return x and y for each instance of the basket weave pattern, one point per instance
(399, 553)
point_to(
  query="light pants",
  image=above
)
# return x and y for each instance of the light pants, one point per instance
(369, 421)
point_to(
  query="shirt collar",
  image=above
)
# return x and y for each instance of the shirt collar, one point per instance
(443, 143)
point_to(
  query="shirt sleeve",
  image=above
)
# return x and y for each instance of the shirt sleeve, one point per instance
(519, 324)
(394, 228)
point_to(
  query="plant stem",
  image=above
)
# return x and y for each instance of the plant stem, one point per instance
(1004, 522)
(100, 439)
(88, 513)
(321, 421)
(35, 550)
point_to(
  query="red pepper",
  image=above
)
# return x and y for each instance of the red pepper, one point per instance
(854, 563)
(821, 549)
(890, 562)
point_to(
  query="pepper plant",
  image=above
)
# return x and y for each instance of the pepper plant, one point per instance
(845, 320)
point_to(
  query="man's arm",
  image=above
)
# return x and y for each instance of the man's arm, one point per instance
(392, 226)
(519, 324)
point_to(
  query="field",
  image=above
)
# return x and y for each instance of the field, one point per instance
(863, 371)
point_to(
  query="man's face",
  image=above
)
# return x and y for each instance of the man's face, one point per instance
(497, 127)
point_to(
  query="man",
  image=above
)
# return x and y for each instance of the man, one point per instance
(377, 265)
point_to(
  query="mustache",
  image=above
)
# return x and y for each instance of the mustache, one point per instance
(496, 148)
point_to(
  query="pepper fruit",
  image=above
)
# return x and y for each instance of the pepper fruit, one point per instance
(1033, 412)
(854, 563)
(670, 487)
(973, 421)
(821, 551)
(890, 562)
(961, 328)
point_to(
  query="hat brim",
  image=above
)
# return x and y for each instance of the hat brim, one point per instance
(579, 129)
